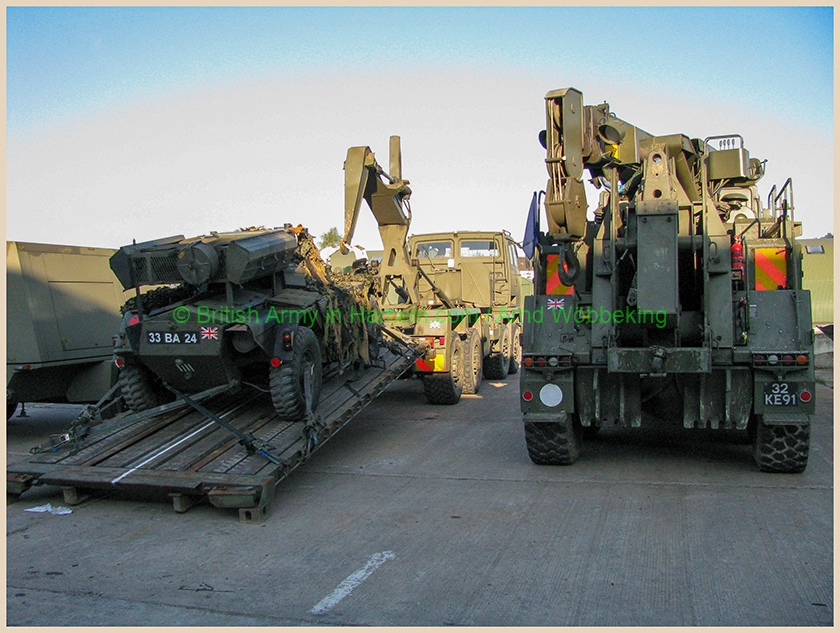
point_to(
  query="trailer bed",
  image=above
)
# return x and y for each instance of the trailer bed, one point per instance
(189, 457)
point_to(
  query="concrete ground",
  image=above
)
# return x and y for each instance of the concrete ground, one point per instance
(423, 515)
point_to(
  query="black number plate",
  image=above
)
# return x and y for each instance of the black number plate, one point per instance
(172, 338)
(780, 394)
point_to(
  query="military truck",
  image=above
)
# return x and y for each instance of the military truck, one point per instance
(253, 306)
(459, 292)
(682, 298)
(62, 312)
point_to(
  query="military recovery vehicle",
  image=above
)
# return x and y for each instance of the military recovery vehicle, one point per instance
(681, 298)
(253, 305)
(459, 292)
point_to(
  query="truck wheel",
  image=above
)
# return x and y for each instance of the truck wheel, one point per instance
(138, 390)
(473, 365)
(516, 350)
(296, 384)
(496, 364)
(554, 443)
(447, 388)
(781, 448)
(11, 407)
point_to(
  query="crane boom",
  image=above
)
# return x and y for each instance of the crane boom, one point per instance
(387, 196)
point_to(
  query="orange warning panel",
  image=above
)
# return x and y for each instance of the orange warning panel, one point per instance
(770, 268)
(435, 365)
(553, 285)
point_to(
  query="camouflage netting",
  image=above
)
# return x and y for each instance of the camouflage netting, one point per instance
(349, 299)
(158, 298)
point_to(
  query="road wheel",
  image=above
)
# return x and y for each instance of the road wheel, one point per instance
(296, 384)
(781, 448)
(516, 350)
(139, 390)
(11, 406)
(473, 362)
(496, 364)
(554, 443)
(447, 388)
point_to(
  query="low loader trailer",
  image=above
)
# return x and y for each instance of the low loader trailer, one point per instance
(226, 445)
(241, 358)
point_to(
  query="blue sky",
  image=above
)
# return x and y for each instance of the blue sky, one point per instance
(66, 62)
(73, 70)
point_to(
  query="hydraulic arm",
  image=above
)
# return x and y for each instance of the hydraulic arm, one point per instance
(387, 196)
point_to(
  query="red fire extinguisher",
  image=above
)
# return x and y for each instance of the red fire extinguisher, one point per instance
(738, 266)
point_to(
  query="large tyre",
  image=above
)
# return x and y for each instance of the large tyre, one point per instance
(496, 364)
(11, 406)
(473, 362)
(138, 389)
(447, 388)
(781, 448)
(516, 349)
(554, 443)
(296, 384)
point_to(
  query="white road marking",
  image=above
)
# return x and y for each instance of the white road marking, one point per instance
(351, 582)
(161, 452)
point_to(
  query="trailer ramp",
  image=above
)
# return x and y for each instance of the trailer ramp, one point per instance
(190, 457)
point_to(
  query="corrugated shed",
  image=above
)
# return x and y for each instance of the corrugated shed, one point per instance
(818, 277)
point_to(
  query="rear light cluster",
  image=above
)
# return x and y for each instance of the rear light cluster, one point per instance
(774, 360)
(440, 340)
(547, 361)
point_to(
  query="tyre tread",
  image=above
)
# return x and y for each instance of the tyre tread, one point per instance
(552, 443)
(136, 388)
(781, 448)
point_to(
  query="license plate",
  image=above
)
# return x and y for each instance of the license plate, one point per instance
(172, 338)
(780, 394)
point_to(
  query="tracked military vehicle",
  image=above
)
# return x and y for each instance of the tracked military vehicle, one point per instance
(682, 298)
(253, 306)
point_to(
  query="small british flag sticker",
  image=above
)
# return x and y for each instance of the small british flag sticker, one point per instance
(556, 304)
(210, 333)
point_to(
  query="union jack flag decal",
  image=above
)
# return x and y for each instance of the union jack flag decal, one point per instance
(556, 304)
(210, 333)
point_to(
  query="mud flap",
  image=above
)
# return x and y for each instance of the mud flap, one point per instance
(604, 399)
(722, 399)
(799, 419)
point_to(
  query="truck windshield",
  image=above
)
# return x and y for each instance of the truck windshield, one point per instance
(479, 248)
(431, 250)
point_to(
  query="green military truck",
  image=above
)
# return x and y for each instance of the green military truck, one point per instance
(62, 313)
(458, 292)
(683, 297)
